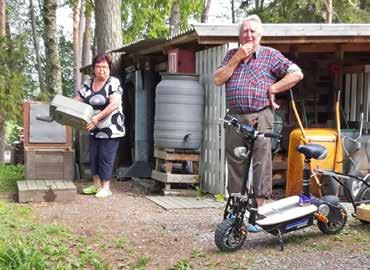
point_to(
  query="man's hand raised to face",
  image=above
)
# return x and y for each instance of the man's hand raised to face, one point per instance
(244, 52)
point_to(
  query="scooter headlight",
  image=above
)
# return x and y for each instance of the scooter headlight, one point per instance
(324, 209)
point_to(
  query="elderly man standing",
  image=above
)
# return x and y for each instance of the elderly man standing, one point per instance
(253, 74)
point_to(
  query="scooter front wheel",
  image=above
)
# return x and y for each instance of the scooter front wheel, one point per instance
(334, 227)
(228, 237)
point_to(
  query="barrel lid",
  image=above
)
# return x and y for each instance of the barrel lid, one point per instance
(180, 76)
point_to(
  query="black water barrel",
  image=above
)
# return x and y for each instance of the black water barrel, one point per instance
(178, 112)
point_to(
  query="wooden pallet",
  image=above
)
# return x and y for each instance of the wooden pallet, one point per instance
(46, 191)
(167, 160)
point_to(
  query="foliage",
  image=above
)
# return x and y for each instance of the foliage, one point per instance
(11, 132)
(19, 21)
(220, 197)
(9, 175)
(25, 244)
(12, 80)
(199, 192)
(66, 62)
(149, 18)
(309, 11)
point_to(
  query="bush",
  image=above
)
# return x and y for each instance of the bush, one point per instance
(11, 132)
(9, 175)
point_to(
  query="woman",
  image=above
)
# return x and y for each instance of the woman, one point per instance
(104, 93)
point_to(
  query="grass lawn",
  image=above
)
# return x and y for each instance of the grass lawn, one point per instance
(26, 244)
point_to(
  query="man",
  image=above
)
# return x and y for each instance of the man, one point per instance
(253, 74)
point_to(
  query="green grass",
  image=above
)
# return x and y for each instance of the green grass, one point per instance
(141, 263)
(182, 265)
(9, 174)
(25, 244)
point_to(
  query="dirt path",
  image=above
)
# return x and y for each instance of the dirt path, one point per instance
(127, 228)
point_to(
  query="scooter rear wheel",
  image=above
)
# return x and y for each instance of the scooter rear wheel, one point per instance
(228, 237)
(334, 227)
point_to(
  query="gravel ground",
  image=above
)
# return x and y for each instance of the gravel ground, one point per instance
(178, 238)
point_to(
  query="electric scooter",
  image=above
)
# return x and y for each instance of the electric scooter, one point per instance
(282, 216)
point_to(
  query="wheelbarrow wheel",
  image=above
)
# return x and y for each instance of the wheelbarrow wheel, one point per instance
(228, 237)
(363, 195)
(334, 227)
(354, 186)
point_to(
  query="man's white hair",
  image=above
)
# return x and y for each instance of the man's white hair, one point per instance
(252, 18)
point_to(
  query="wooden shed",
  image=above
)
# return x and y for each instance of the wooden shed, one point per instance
(332, 56)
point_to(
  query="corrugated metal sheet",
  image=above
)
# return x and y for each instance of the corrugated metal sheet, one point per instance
(228, 31)
(287, 30)
(141, 44)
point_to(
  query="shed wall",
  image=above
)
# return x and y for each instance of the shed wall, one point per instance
(213, 163)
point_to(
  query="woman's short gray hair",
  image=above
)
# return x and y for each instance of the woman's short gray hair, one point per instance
(253, 18)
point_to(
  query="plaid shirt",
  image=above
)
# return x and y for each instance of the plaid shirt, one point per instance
(247, 89)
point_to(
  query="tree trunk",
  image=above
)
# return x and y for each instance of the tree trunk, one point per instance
(329, 11)
(2, 139)
(81, 26)
(51, 46)
(363, 4)
(175, 18)
(37, 48)
(261, 6)
(108, 30)
(2, 18)
(205, 13)
(2, 120)
(232, 11)
(257, 4)
(86, 42)
(76, 45)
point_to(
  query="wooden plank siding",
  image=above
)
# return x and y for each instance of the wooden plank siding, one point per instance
(213, 149)
(356, 93)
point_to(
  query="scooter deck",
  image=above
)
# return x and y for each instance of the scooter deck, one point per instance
(284, 210)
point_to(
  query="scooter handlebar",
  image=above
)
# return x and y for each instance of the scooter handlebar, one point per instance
(231, 120)
(272, 135)
(247, 129)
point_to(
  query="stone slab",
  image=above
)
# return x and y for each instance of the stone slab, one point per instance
(178, 202)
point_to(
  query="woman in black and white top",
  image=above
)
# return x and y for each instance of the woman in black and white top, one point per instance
(104, 93)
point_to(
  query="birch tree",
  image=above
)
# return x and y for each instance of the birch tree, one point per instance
(2, 18)
(54, 80)
(175, 18)
(204, 18)
(2, 116)
(76, 44)
(329, 11)
(86, 41)
(36, 46)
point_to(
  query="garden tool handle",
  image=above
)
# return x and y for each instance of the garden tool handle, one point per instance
(297, 115)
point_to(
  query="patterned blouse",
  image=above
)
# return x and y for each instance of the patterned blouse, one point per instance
(111, 126)
(247, 89)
